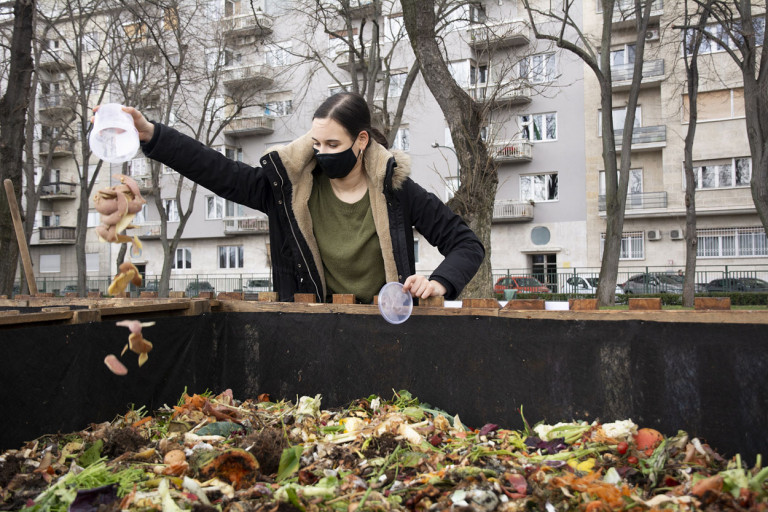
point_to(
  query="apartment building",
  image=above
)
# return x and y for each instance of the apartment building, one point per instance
(728, 229)
(542, 128)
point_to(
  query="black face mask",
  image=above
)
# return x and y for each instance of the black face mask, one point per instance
(337, 165)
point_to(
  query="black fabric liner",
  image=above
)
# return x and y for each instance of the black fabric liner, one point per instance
(707, 379)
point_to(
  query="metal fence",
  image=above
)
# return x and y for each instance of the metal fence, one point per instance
(558, 280)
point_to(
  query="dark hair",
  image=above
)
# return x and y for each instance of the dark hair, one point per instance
(351, 111)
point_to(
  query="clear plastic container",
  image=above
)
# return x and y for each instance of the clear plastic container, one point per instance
(113, 138)
(395, 305)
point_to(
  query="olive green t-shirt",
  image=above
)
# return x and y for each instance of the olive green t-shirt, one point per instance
(349, 245)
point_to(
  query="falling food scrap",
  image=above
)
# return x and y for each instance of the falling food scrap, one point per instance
(118, 206)
(114, 365)
(128, 274)
(136, 341)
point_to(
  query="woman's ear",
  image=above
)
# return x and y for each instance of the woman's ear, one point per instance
(363, 138)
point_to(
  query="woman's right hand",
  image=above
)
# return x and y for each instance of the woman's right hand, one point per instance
(145, 128)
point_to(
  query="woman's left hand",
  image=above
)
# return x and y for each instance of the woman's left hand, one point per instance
(421, 287)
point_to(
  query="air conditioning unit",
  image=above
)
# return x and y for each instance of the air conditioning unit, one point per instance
(652, 34)
(654, 234)
(676, 234)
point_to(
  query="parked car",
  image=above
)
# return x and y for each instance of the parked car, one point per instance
(657, 283)
(521, 284)
(579, 284)
(737, 284)
(254, 286)
(70, 288)
(196, 287)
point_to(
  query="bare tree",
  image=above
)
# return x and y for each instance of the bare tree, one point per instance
(478, 174)
(563, 27)
(13, 115)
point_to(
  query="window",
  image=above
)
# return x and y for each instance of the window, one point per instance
(402, 140)
(50, 263)
(468, 73)
(538, 187)
(539, 68)
(141, 215)
(339, 43)
(231, 256)
(235, 154)
(90, 41)
(717, 31)
(731, 242)
(623, 56)
(619, 115)
(279, 104)
(138, 167)
(394, 29)
(634, 188)
(730, 173)
(416, 250)
(92, 262)
(478, 75)
(94, 219)
(51, 221)
(232, 58)
(477, 13)
(183, 258)
(538, 127)
(396, 84)
(716, 105)
(171, 209)
(278, 54)
(219, 208)
(632, 246)
(336, 88)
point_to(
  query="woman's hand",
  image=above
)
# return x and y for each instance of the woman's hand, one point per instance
(145, 128)
(421, 287)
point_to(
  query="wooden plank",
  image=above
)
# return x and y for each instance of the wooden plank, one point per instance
(10, 312)
(230, 296)
(43, 294)
(55, 309)
(35, 318)
(480, 303)
(583, 304)
(21, 238)
(142, 308)
(177, 295)
(205, 295)
(268, 297)
(525, 305)
(306, 298)
(148, 295)
(432, 302)
(712, 303)
(198, 307)
(94, 295)
(84, 316)
(645, 304)
(344, 298)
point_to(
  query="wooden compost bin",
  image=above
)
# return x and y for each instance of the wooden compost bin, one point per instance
(705, 372)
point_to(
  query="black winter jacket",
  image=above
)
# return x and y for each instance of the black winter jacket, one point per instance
(281, 187)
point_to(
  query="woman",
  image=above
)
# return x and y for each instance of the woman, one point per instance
(341, 208)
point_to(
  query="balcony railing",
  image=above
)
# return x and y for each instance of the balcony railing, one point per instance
(56, 60)
(621, 75)
(512, 151)
(63, 147)
(58, 190)
(256, 125)
(624, 12)
(645, 138)
(247, 25)
(242, 225)
(258, 75)
(505, 93)
(512, 211)
(639, 201)
(61, 234)
(51, 103)
(501, 35)
(363, 9)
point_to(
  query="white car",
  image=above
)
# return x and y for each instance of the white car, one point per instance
(586, 285)
(254, 286)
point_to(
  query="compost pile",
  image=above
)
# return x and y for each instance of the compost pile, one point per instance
(216, 453)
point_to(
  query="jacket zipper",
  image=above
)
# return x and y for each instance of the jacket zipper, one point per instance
(293, 232)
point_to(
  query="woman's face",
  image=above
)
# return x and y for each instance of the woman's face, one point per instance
(328, 136)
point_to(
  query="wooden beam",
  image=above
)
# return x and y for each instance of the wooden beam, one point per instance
(20, 238)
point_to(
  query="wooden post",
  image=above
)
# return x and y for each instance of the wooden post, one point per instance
(20, 238)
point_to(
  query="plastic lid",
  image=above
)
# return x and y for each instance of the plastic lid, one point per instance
(395, 304)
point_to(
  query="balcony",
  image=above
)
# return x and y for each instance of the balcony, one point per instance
(512, 152)
(512, 211)
(653, 75)
(359, 9)
(147, 230)
(56, 61)
(57, 235)
(62, 147)
(56, 105)
(256, 125)
(501, 35)
(245, 225)
(344, 60)
(247, 25)
(256, 76)
(639, 201)
(508, 93)
(644, 138)
(58, 190)
(624, 13)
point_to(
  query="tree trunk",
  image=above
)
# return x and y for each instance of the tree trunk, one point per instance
(13, 112)
(478, 176)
